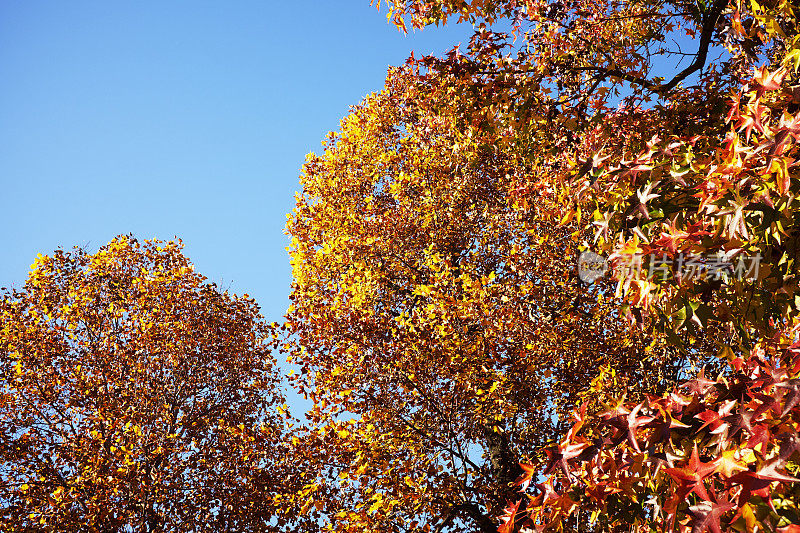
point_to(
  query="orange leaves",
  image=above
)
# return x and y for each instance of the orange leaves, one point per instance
(509, 518)
(737, 191)
(430, 284)
(134, 377)
(439, 325)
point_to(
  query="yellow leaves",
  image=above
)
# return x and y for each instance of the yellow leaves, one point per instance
(416, 253)
(377, 503)
(729, 464)
(568, 217)
(748, 456)
(792, 57)
(423, 290)
(630, 248)
(779, 167)
(749, 516)
(773, 28)
(40, 262)
(375, 506)
(127, 343)
(58, 493)
(641, 293)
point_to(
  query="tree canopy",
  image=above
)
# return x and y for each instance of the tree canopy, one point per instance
(440, 321)
(136, 396)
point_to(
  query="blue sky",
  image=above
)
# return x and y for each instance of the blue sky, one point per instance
(178, 118)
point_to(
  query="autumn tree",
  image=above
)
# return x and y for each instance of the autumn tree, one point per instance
(430, 305)
(725, 193)
(437, 317)
(135, 396)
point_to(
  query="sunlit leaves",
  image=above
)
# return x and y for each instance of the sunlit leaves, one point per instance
(705, 476)
(135, 395)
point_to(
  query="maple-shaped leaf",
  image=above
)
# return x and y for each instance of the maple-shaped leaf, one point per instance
(740, 420)
(546, 491)
(790, 443)
(770, 472)
(664, 428)
(792, 396)
(733, 388)
(767, 403)
(612, 410)
(699, 385)
(620, 425)
(760, 434)
(590, 452)
(600, 491)
(634, 423)
(751, 119)
(509, 517)
(690, 477)
(751, 485)
(767, 81)
(525, 479)
(716, 420)
(791, 124)
(560, 457)
(579, 417)
(733, 111)
(707, 515)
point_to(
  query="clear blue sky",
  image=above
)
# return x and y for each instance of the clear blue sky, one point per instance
(178, 118)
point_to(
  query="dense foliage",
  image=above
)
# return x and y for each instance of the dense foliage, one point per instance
(438, 317)
(135, 397)
(546, 282)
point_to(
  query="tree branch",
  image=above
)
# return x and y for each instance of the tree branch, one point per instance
(710, 19)
(470, 510)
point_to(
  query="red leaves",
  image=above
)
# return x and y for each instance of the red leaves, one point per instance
(509, 518)
(690, 477)
(398, 235)
(792, 396)
(743, 422)
(699, 385)
(634, 423)
(562, 455)
(707, 516)
(764, 81)
(751, 119)
(710, 197)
